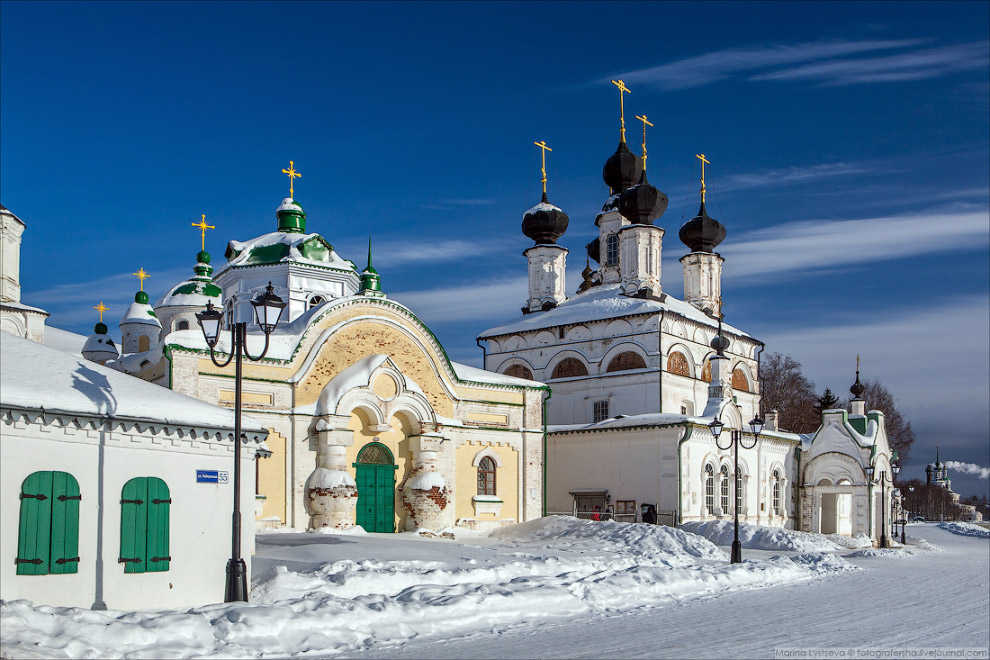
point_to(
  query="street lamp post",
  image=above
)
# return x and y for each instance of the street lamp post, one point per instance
(268, 310)
(883, 498)
(736, 439)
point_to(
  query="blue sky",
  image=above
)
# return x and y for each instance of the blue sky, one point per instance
(849, 146)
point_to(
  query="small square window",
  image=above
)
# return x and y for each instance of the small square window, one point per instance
(600, 412)
(683, 410)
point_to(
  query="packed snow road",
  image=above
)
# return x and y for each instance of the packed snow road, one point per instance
(554, 587)
(931, 599)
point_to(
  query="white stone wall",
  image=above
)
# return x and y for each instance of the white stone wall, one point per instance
(639, 249)
(96, 454)
(703, 279)
(11, 231)
(642, 464)
(631, 392)
(547, 264)
(294, 283)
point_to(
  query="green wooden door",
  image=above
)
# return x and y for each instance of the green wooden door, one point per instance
(375, 477)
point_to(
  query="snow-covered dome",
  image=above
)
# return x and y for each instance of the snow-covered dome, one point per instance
(100, 347)
(197, 290)
(291, 217)
(544, 223)
(140, 312)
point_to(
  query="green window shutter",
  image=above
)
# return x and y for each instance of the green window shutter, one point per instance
(159, 504)
(64, 556)
(134, 525)
(34, 535)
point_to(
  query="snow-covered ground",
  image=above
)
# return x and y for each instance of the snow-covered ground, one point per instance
(554, 587)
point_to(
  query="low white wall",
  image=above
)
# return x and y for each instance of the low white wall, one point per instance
(200, 514)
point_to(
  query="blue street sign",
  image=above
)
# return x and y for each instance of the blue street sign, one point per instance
(211, 477)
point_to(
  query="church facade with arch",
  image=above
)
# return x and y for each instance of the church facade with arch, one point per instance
(370, 423)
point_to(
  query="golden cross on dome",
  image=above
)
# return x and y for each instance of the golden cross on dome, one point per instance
(857, 362)
(645, 124)
(292, 175)
(141, 275)
(542, 144)
(703, 160)
(101, 308)
(202, 226)
(622, 112)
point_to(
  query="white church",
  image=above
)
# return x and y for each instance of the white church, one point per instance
(637, 376)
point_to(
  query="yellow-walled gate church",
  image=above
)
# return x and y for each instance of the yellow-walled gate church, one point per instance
(370, 423)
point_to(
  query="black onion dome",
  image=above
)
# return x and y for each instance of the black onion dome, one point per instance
(622, 169)
(642, 204)
(702, 233)
(857, 388)
(595, 249)
(720, 343)
(544, 223)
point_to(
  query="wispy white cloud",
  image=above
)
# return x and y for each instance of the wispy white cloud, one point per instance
(500, 299)
(396, 253)
(71, 305)
(791, 175)
(709, 68)
(969, 468)
(813, 245)
(496, 300)
(915, 65)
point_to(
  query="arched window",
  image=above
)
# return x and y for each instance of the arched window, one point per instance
(183, 325)
(143, 343)
(678, 364)
(709, 489)
(776, 491)
(724, 489)
(144, 525)
(739, 382)
(486, 476)
(626, 361)
(612, 251)
(569, 367)
(48, 535)
(376, 454)
(315, 301)
(519, 371)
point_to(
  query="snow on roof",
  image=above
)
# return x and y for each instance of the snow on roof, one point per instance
(288, 204)
(5, 211)
(465, 372)
(36, 377)
(602, 303)
(22, 307)
(655, 419)
(65, 341)
(140, 313)
(279, 247)
(195, 291)
(543, 206)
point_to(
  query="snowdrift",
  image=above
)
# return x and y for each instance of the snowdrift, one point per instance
(965, 529)
(759, 537)
(540, 571)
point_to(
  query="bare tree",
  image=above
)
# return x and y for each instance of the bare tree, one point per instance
(899, 431)
(786, 390)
